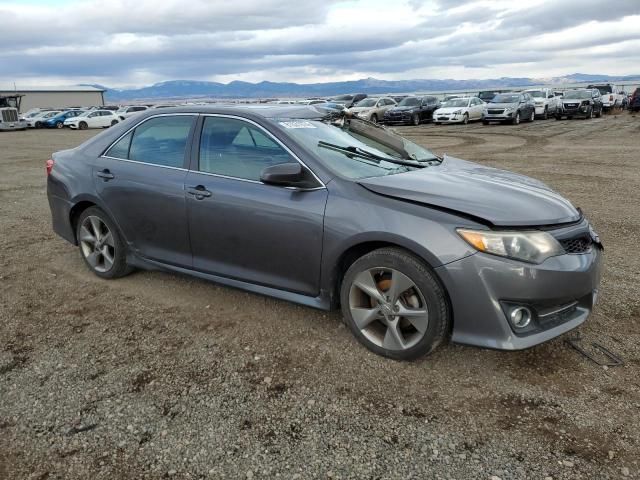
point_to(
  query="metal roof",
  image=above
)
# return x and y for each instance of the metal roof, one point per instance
(6, 88)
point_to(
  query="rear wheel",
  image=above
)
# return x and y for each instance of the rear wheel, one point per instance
(394, 305)
(101, 245)
(83, 125)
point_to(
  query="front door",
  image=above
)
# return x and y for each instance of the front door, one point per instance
(243, 229)
(140, 180)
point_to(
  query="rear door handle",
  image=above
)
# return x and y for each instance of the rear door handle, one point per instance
(105, 174)
(199, 192)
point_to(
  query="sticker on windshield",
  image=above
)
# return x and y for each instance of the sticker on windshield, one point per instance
(297, 124)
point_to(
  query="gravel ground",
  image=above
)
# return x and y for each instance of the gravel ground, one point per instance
(157, 375)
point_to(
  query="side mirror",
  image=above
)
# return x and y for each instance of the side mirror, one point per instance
(283, 174)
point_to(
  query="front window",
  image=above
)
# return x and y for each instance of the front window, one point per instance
(505, 98)
(315, 134)
(578, 94)
(367, 102)
(409, 102)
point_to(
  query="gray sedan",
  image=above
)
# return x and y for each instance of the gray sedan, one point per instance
(331, 212)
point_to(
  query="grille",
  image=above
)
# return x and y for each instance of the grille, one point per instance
(9, 116)
(577, 245)
(495, 112)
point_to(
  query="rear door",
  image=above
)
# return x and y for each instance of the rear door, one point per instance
(140, 180)
(243, 229)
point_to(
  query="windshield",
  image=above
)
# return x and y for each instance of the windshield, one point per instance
(536, 93)
(456, 102)
(342, 98)
(486, 95)
(367, 102)
(578, 94)
(409, 102)
(502, 98)
(313, 133)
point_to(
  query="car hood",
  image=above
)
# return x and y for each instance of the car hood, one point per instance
(495, 196)
(501, 105)
(451, 109)
(403, 108)
(361, 109)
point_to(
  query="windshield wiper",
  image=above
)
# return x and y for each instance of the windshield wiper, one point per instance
(359, 152)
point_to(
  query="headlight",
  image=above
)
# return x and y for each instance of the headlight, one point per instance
(457, 112)
(531, 246)
(508, 109)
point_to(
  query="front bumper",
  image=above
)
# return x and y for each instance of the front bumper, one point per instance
(8, 126)
(71, 125)
(497, 117)
(561, 293)
(448, 118)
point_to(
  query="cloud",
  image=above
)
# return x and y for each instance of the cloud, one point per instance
(126, 42)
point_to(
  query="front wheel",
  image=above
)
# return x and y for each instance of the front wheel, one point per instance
(101, 246)
(545, 115)
(59, 125)
(415, 119)
(38, 125)
(516, 119)
(114, 122)
(374, 118)
(599, 114)
(533, 116)
(465, 118)
(394, 305)
(83, 125)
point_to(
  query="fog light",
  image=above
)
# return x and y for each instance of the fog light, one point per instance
(520, 317)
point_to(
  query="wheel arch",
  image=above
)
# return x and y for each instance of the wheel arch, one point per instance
(80, 204)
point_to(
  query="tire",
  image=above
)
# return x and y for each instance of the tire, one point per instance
(589, 116)
(558, 117)
(516, 119)
(96, 256)
(533, 115)
(545, 115)
(415, 120)
(114, 122)
(484, 122)
(436, 123)
(38, 125)
(378, 327)
(465, 119)
(599, 114)
(374, 118)
(59, 125)
(83, 125)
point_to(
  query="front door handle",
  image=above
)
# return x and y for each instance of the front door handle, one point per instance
(199, 192)
(105, 174)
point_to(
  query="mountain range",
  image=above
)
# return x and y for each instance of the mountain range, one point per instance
(189, 89)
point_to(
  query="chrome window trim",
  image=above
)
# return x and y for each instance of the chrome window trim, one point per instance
(269, 135)
(144, 163)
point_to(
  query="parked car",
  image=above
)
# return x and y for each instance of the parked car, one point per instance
(546, 103)
(372, 108)
(93, 119)
(126, 112)
(634, 101)
(37, 120)
(610, 95)
(415, 248)
(412, 110)
(459, 110)
(57, 121)
(509, 107)
(585, 103)
(348, 100)
(313, 101)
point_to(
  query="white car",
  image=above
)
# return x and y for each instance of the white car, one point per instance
(36, 120)
(92, 119)
(459, 110)
(125, 112)
(547, 103)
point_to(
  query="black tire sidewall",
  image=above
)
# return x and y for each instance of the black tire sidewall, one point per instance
(425, 280)
(120, 267)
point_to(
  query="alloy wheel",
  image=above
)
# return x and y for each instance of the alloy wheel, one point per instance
(97, 244)
(388, 308)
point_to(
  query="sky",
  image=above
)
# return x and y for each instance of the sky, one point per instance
(133, 43)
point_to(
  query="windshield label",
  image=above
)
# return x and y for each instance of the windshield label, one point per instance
(297, 124)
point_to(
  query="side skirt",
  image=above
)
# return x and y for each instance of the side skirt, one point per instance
(322, 302)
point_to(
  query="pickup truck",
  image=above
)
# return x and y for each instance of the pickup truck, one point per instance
(611, 95)
(547, 103)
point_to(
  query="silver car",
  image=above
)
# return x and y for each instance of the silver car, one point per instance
(373, 108)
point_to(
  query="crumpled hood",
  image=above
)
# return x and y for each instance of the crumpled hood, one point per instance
(499, 197)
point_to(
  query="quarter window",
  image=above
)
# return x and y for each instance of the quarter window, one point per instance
(159, 141)
(235, 148)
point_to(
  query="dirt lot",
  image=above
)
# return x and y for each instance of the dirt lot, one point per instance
(158, 375)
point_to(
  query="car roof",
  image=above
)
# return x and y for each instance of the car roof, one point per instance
(268, 111)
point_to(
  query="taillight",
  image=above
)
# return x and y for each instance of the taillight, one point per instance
(49, 166)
